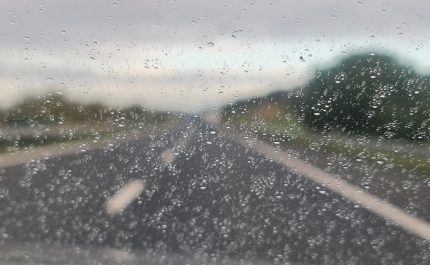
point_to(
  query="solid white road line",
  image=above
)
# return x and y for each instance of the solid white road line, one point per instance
(125, 196)
(73, 147)
(371, 202)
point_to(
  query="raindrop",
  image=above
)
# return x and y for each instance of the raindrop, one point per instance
(211, 44)
(317, 113)
(12, 22)
(63, 31)
(301, 59)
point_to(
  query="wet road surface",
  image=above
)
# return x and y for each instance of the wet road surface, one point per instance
(204, 194)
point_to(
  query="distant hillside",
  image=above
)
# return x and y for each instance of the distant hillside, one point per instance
(364, 94)
(55, 109)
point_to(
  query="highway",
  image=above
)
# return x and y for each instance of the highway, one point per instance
(201, 192)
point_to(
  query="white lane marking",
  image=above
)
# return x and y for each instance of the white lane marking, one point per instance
(373, 203)
(74, 147)
(168, 157)
(125, 196)
(118, 255)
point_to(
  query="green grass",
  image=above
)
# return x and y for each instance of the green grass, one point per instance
(11, 145)
(295, 133)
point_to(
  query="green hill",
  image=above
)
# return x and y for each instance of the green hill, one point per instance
(363, 94)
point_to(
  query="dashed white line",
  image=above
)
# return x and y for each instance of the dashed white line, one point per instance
(168, 157)
(125, 196)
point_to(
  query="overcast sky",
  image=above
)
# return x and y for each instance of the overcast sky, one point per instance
(192, 55)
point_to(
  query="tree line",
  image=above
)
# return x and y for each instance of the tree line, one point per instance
(362, 94)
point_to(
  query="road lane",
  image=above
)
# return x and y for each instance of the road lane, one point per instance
(216, 199)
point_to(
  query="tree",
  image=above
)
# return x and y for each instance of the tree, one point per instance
(369, 94)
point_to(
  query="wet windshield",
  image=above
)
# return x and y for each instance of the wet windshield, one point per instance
(188, 132)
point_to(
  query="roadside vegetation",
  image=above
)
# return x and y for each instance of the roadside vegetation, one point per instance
(368, 95)
(52, 119)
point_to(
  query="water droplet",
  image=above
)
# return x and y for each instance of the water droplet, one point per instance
(301, 59)
(322, 191)
(334, 16)
(371, 54)
(63, 31)
(317, 113)
(212, 132)
(318, 40)
(12, 22)
(211, 44)
(373, 76)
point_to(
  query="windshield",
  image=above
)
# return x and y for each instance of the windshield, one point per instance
(215, 132)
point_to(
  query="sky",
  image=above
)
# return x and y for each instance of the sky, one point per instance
(194, 55)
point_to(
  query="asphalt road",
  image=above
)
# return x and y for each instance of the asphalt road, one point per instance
(205, 196)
